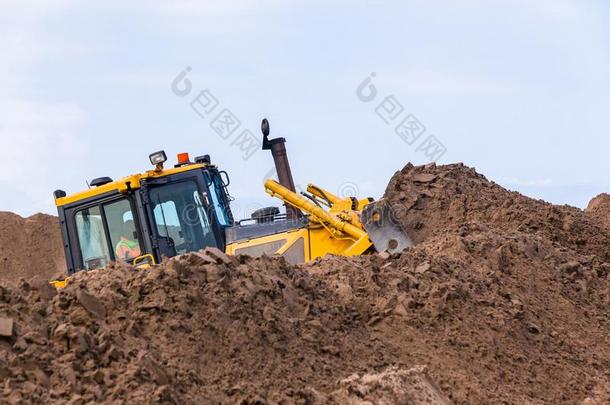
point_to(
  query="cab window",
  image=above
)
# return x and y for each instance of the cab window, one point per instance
(119, 230)
(124, 237)
(168, 224)
(216, 194)
(181, 217)
(92, 238)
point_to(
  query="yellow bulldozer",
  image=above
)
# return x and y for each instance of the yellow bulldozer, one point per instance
(144, 218)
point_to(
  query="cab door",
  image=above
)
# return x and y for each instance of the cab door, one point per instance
(179, 212)
(103, 230)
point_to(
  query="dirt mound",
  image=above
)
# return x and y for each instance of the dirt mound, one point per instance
(203, 327)
(30, 247)
(429, 200)
(503, 300)
(495, 316)
(240, 329)
(599, 208)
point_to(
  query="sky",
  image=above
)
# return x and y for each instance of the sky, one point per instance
(518, 89)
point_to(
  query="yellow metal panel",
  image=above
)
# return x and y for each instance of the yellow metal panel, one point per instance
(323, 243)
(263, 248)
(121, 185)
(291, 237)
(318, 243)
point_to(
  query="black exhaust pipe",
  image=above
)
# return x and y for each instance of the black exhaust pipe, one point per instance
(282, 166)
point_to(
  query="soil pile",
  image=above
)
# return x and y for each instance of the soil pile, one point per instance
(503, 300)
(521, 287)
(429, 200)
(30, 247)
(599, 208)
(201, 328)
(495, 316)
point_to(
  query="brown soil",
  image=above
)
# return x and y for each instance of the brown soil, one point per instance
(430, 199)
(504, 300)
(599, 208)
(29, 247)
(195, 330)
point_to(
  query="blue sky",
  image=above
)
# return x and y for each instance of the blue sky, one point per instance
(516, 88)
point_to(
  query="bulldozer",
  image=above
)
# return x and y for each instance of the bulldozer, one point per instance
(145, 218)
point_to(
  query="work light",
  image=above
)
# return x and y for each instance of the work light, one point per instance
(158, 158)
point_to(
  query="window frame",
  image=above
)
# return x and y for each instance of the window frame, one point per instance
(198, 177)
(204, 207)
(134, 214)
(100, 204)
(212, 179)
(78, 236)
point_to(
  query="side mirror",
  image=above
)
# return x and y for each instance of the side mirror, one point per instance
(265, 127)
(224, 177)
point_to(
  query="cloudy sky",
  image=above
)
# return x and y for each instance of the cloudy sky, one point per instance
(518, 89)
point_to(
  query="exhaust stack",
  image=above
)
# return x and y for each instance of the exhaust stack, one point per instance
(282, 166)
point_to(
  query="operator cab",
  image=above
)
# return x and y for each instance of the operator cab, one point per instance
(145, 217)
